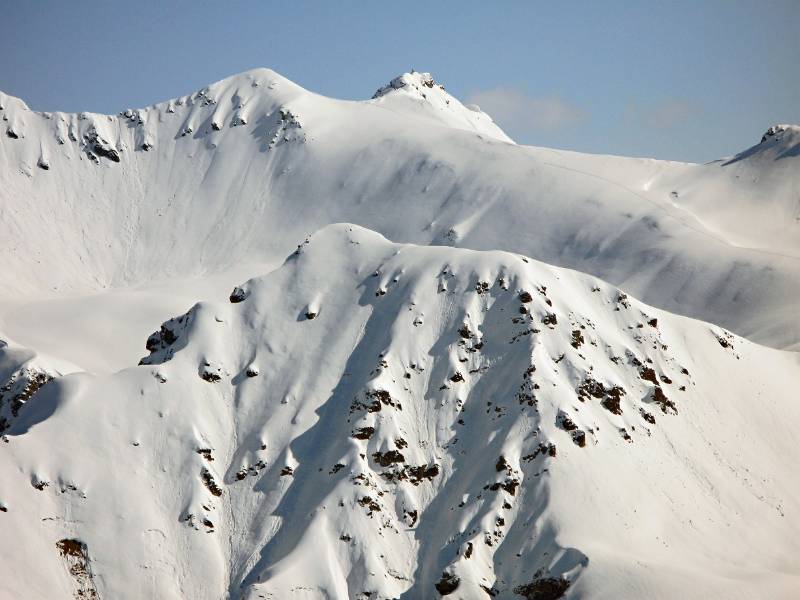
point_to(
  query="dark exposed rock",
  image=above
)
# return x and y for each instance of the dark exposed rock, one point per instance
(96, 145)
(579, 437)
(76, 556)
(611, 401)
(388, 458)
(545, 588)
(665, 403)
(591, 387)
(160, 339)
(163, 339)
(19, 389)
(564, 422)
(772, 132)
(447, 584)
(577, 339)
(238, 295)
(412, 515)
(413, 474)
(526, 397)
(210, 376)
(510, 485)
(369, 503)
(210, 482)
(648, 374)
(610, 397)
(502, 464)
(549, 449)
(418, 473)
(482, 287)
(253, 470)
(374, 401)
(363, 433)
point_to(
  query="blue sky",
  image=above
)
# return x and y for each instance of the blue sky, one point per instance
(677, 80)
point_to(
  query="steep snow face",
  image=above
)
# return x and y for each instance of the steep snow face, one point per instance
(379, 420)
(231, 176)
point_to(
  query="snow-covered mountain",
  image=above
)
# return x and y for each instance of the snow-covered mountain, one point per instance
(374, 420)
(441, 414)
(237, 173)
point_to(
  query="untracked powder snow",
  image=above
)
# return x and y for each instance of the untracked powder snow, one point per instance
(259, 343)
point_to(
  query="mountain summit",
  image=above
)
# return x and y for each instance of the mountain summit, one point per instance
(419, 92)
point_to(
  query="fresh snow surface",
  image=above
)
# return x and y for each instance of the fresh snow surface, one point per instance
(373, 419)
(436, 415)
(239, 171)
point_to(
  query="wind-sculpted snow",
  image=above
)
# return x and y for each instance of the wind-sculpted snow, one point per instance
(380, 420)
(236, 172)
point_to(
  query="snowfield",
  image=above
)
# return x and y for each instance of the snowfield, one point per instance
(237, 173)
(411, 403)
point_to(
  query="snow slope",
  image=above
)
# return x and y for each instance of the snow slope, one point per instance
(378, 420)
(753, 198)
(436, 415)
(91, 202)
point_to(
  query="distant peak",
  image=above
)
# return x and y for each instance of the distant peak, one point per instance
(258, 76)
(777, 131)
(254, 78)
(412, 82)
(419, 94)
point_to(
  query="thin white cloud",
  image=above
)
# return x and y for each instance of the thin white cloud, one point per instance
(667, 113)
(521, 113)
